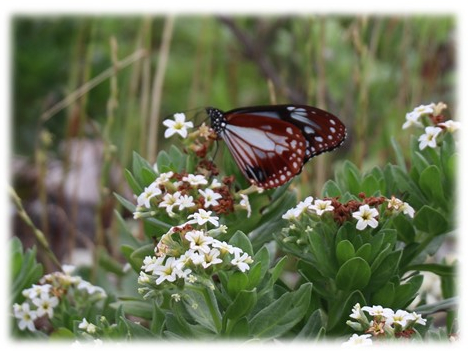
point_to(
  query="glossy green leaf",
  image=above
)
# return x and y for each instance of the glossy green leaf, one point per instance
(430, 182)
(354, 274)
(385, 295)
(405, 293)
(365, 252)
(405, 228)
(242, 304)
(436, 268)
(237, 281)
(384, 271)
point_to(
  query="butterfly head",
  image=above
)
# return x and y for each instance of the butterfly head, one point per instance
(218, 120)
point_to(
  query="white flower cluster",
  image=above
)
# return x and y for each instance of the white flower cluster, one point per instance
(318, 207)
(429, 138)
(164, 193)
(184, 253)
(41, 299)
(377, 320)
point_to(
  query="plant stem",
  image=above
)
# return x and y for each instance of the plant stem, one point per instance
(40, 237)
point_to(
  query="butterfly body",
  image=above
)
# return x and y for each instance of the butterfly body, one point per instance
(270, 144)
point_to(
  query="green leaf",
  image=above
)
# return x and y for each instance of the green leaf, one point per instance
(351, 176)
(242, 304)
(322, 247)
(158, 320)
(430, 182)
(365, 252)
(331, 189)
(281, 315)
(240, 329)
(241, 240)
(444, 305)
(404, 228)
(354, 274)
(313, 328)
(442, 270)
(344, 251)
(277, 270)
(237, 281)
(125, 203)
(137, 308)
(405, 293)
(62, 333)
(429, 220)
(132, 182)
(202, 306)
(136, 330)
(340, 310)
(385, 295)
(400, 158)
(370, 186)
(138, 164)
(385, 270)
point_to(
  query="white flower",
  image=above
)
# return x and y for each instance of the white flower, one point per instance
(168, 271)
(169, 201)
(202, 216)
(451, 126)
(196, 257)
(417, 318)
(303, 206)
(223, 246)
(26, 317)
(199, 241)
(321, 206)
(45, 304)
(36, 290)
(245, 203)
(212, 258)
(143, 278)
(366, 217)
(429, 138)
(242, 262)
(394, 203)
(358, 340)
(400, 317)
(89, 327)
(378, 311)
(412, 119)
(150, 191)
(407, 209)
(195, 179)
(178, 125)
(211, 198)
(151, 264)
(164, 177)
(357, 313)
(176, 297)
(215, 184)
(290, 214)
(91, 289)
(68, 269)
(185, 201)
(191, 278)
(423, 110)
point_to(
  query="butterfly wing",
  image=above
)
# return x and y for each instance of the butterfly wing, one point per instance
(268, 151)
(322, 130)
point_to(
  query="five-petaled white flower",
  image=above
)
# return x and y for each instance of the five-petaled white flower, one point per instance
(199, 241)
(429, 138)
(164, 177)
(416, 318)
(36, 290)
(223, 246)
(412, 119)
(185, 201)
(211, 197)
(400, 317)
(366, 217)
(303, 206)
(378, 311)
(321, 206)
(358, 340)
(45, 304)
(241, 262)
(169, 201)
(450, 126)
(26, 316)
(290, 214)
(245, 203)
(423, 110)
(178, 125)
(195, 179)
(169, 271)
(202, 216)
(212, 258)
(145, 197)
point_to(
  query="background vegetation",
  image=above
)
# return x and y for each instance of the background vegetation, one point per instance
(112, 80)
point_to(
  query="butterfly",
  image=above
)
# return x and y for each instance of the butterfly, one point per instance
(271, 144)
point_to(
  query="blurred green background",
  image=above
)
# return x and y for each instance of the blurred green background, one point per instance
(113, 79)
